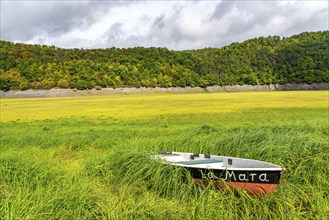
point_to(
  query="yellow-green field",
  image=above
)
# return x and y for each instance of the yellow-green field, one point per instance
(84, 157)
(145, 106)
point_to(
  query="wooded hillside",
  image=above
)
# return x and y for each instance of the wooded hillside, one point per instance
(302, 58)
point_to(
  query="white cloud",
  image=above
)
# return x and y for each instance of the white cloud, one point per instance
(171, 24)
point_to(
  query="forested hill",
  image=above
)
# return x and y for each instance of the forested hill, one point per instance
(302, 58)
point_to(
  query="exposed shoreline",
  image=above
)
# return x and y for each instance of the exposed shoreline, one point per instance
(142, 90)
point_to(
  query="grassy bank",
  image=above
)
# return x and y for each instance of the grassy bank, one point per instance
(83, 157)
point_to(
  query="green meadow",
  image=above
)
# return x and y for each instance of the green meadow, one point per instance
(87, 157)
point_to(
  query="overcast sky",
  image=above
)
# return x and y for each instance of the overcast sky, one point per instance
(176, 25)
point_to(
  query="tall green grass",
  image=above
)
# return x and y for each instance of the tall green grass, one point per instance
(100, 168)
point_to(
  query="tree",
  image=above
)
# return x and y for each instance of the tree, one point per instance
(24, 85)
(302, 58)
(62, 83)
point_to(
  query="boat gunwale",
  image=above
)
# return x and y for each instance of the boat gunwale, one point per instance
(274, 168)
(232, 168)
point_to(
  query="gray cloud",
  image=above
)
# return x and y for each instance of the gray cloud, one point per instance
(175, 25)
(159, 22)
(314, 22)
(243, 15)
(24, 20)
(222, 9)
(114, 34)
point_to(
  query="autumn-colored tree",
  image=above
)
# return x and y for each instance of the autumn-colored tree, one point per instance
(302, 58)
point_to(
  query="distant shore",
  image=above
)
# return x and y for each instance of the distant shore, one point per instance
(142, 90)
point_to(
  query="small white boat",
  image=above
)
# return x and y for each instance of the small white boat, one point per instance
(257, 177)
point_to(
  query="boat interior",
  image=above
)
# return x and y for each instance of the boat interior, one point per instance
(212, 161)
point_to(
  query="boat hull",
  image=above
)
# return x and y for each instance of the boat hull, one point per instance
(257, 189)
(254, 176)
(254, 182)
